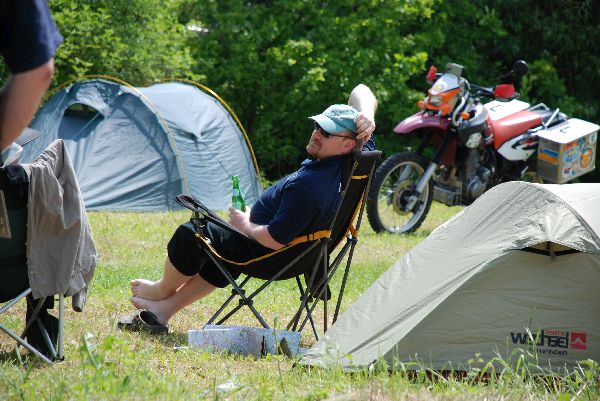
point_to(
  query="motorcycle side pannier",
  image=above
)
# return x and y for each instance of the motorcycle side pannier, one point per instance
(567, 150)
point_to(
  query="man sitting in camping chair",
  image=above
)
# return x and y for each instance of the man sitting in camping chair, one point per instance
(303, 202)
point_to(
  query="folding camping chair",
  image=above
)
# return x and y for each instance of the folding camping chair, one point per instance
(308, 255)
(43, 333)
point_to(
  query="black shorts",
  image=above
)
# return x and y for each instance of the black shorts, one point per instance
(186, 254)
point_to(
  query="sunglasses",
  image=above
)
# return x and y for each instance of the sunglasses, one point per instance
(328, 134)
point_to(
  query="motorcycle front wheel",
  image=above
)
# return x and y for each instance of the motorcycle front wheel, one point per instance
(392, 185)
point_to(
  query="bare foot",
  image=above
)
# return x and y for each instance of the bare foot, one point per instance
(142, 288)
(141, 303)
(152, 306)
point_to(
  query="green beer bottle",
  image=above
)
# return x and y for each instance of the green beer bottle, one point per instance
(237, 199)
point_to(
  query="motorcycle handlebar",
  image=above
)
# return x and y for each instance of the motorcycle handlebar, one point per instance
(477, 90)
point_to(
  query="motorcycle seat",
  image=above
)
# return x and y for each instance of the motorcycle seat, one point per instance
(513, 125)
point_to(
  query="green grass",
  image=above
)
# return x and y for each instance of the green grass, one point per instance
(104, 363)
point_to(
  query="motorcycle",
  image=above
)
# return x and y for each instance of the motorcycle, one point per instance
(477, 145)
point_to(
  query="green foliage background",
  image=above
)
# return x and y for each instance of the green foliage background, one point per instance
(276, 62)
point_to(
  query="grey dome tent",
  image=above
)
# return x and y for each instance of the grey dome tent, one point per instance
(137, 148)
(518, 270)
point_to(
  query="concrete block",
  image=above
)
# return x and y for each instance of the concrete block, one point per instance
(244, 340)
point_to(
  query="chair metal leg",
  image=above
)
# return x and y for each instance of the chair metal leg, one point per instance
(321, 293)
(47, 339)
(34, 314)
(228, 301)
(310, 294)
(304, 299)
(56, 353)
(24, 344)
(10, 303)
(298, 314)
(245, 300)
(248, 300)
(294, 320)
(353, 240)
(324, 287)
(34, 319)
(61, 326)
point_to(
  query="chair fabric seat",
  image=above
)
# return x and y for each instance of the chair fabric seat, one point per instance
(13, 261)
(266, 268)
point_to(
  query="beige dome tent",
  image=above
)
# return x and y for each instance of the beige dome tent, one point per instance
(517, 270)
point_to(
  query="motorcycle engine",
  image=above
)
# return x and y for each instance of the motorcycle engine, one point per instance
(467, 181)
(476, 175)
(470, 178)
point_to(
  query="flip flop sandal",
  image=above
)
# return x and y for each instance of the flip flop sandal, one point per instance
(142, 321)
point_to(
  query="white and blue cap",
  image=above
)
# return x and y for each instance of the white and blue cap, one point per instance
(337, 118)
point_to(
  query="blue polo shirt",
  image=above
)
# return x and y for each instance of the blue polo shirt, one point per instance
(28, 35)
(302, 202)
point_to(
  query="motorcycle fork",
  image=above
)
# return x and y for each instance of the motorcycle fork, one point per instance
(424, 142)
(449, 137)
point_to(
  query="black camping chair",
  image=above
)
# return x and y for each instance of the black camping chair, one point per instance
(308, 255)
(43, 333)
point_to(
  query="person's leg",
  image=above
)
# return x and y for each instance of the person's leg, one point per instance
(192, 290)
(171, 280)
